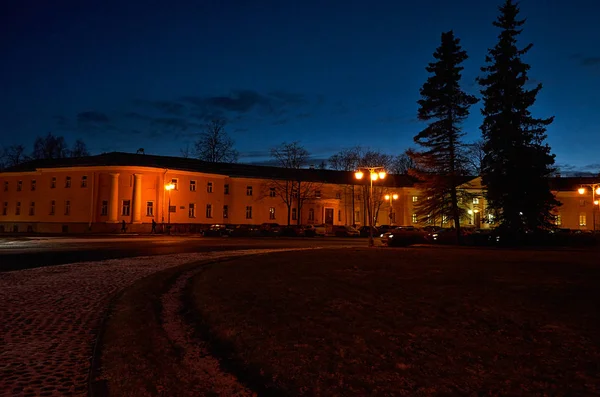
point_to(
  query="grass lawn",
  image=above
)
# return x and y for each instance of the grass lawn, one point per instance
(414, 321)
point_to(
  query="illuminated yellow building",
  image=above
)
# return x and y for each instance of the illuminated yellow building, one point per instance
(98, 193)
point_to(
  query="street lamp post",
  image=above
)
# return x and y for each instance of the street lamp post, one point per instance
(375, 173)
(391, 198)
(168, 188)
(595, 198)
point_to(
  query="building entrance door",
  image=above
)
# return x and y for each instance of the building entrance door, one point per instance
(329, 216)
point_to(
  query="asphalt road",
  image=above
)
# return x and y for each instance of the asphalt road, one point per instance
(24, 253)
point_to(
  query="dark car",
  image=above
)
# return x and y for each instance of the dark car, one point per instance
(403, 236)
(364, 231)
(382, 229)
(270, 229)
(218, 230)
(345, 231)
(245, 231)
(293, 231)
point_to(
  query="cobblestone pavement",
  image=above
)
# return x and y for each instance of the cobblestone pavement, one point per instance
(49, 318)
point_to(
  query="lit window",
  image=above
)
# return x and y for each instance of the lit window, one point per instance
(18, 208)
(52, 207)
(415, 219)
(192, 186)
(32, 208)
(149, 208)
(444, 219)
(67, 207)
(84, 181)
(248, 190)
(272, 192)
(126, 208)
(272, 213)
(192, 210)
(19, 186)
(33, 184)
(558, 220)
(175, 183)
(104, 208)
(225, 211)
(415, 199)
(311, 214)
(317, 193)
(248, 212)
(68, 182)
(226, 189)
(294, 214)
(53, 183)
(209, 210)
(209, 187)
(5, 208)
(582, 220)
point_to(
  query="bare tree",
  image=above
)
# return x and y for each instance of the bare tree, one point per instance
(186, 151)
(346, 160)
(50, 147)
(215, 145)
(474, 156)
(293, 189)
(402, 164)
(13, 155)
(79, 149)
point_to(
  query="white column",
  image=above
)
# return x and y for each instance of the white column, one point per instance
(113, 202)
(137, 198)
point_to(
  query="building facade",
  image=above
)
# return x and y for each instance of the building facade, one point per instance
(98, 193)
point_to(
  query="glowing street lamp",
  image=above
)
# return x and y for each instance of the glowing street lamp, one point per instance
(595, 187)
(168, 188)
(375, 173)
(391, 198)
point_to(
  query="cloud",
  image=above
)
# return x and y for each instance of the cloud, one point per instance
(592, 169)
(239, 101)
(590, 61)
(289, 98)
(303, 115)
(92, 117)
(253, 154)
(280, 122)
(137, 116)
(61, 121)
(175, 123)
(168, 107)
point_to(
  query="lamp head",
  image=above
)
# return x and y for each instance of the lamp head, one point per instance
(374, 176)
(581, 190)
(170, 186)
(395, 196)
(387, 196)
(358, 174)
(382, 174)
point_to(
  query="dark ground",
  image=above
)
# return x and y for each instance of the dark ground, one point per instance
(17, 253)
(412, 321)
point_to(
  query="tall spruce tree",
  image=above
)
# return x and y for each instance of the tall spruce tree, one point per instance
(441, 163)
(516, 162)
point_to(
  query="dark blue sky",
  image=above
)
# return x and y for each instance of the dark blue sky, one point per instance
(123, 75)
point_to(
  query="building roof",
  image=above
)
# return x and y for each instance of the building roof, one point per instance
(188, 164)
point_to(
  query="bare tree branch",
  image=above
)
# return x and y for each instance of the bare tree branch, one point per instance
(215, 145)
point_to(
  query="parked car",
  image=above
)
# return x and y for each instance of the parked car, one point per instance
(293, 231)
(270, 229)
(403, 236)
(382, 229)
(316, 230)
(218, 230)
(364, 231)
(345, 231)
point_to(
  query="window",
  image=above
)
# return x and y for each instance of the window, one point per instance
(6, 186)
(68, 182)
(294, 214)
(415, 219)
(5, 208)
(558, 220)
(126, 209)
(272, 192)
(358, 197)
(248, 212)
(415, 199)
(33, 184)
(32, 208)
(18, 208)
(192, 186)
(582, 203)
(317, 194)
(209, 210)
(149, 208)
(225, 211)
(272, 213)
(67, 207)
(209, 187)
(104, 208)
(476, 200)
(192, 210)
(226, 189)
(84, 181)
(311, 214)
(248, 190)
(52, 207)
(53, 183)
(175, 183)
(491, 218)
(339, 215)
(582, 219)
(19, 186)
(444, 219)
(338, 195)
(356, 216)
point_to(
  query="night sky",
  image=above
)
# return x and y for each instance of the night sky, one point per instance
(331, 74)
